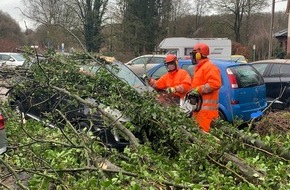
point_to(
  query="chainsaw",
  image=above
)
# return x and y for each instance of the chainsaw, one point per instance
(191, 103)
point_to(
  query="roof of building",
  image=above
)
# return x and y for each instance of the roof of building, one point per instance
(281, 33)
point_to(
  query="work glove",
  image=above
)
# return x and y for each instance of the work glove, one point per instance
(194, 92)
(145, 76)
(151, 82)
(170, 90)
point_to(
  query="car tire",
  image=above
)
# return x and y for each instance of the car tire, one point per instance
(222, 116)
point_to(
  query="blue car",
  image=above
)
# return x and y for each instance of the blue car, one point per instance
(242, 94)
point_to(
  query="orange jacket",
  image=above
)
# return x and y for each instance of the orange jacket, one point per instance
(207, 80)
(179, 79)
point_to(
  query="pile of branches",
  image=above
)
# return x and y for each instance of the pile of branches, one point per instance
(274, 122)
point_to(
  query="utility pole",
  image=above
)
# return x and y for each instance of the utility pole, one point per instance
(271, 30)
(288, 31)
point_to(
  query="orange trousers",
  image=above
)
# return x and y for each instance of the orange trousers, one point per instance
(204, 118)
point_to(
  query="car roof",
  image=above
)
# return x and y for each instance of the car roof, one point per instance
(218, 62)
(239, 58)
(10, 52)
(273, 61)
(155, 55)
(221, 64)
(146, 55)
(150, 55)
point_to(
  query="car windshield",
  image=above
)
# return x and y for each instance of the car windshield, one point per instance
(18, 57)
(122, 72)
(247, 76)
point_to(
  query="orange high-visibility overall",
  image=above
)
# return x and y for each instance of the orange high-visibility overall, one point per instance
(207, 80)
(180, 79)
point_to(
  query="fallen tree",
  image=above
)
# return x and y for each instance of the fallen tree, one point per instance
(176, 154)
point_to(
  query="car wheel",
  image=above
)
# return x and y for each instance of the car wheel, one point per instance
(222, 116)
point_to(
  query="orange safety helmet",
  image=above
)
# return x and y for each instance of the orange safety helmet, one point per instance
(201, 50)
(170, 58)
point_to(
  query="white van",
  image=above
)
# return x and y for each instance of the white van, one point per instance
(220, 48)
(11, 59)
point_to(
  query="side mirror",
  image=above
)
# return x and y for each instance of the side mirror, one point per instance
(11, 59)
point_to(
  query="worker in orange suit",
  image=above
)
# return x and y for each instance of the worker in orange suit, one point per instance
(176, 81)
(206, 82)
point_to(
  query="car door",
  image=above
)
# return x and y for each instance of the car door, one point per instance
(277, 79)
(265, 70)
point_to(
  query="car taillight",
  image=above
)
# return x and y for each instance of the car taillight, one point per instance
(232, 78)
(2, 126)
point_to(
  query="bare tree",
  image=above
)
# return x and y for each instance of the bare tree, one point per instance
(84, 15)
(237, 9)
(49, 12)
(195, 10)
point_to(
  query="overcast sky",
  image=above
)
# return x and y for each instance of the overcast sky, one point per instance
(12, 8)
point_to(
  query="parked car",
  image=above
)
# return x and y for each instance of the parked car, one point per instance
(276, 74)
(239, 58)
(33, 100)
(143, 63)
(11, 59)
(3, 138)
(242, 94)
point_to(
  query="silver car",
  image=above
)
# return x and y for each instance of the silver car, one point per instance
(3, 138)
(11, 59)
(142, 64)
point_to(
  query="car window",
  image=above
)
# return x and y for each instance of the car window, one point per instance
(275, 70)
(125, 74)
(189, 69)
(19, 57)
(159, 72)
(285, 70)
(119, 70)
(261, 68)
(278, 70)
(247, 76)
(5, 57)
(156, 60)
(141, 60)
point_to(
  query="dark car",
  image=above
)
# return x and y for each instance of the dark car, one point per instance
(41, 103)
(242, 94)
(276, 74)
